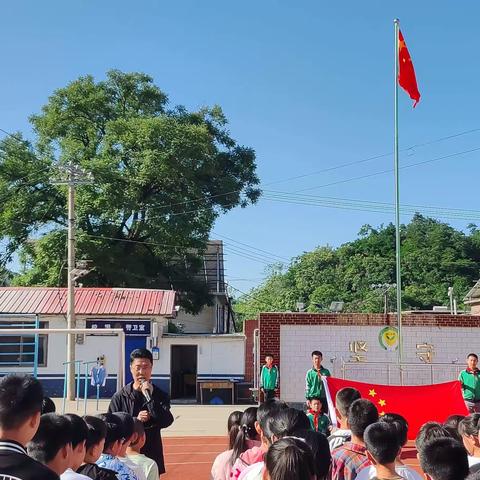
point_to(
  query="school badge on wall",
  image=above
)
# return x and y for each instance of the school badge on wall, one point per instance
(388, 338)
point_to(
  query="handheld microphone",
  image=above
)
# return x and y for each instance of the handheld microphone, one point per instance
(146, 393)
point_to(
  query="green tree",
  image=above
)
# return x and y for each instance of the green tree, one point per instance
(162, 176)
(434, 257)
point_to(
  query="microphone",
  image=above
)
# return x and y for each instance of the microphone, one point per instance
(146, 393)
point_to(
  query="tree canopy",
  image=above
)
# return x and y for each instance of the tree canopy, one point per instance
(161, 177)
(434, 257)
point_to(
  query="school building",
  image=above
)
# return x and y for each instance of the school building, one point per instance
(183, 362)
(362, 347)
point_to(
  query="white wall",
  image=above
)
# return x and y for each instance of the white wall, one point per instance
(203, 322)
(297, 343)
(220, 355)
(93, 346)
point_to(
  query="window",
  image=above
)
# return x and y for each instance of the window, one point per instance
(18, 350)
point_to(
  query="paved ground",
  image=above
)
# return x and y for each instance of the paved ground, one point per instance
(190, 420)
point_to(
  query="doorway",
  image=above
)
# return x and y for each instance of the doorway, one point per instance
(183, 372)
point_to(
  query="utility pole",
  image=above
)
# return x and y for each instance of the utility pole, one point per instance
(75, 176)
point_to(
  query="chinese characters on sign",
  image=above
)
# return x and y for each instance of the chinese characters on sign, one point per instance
(358, 349)
(130, 327)
(425, 352)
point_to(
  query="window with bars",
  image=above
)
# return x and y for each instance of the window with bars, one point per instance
(18, 350)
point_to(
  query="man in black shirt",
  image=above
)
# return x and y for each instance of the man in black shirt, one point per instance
(20, 406)
(146, 402)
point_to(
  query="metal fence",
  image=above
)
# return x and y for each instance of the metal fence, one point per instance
(400, 373)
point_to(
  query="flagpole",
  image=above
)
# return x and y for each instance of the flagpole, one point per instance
(396, 23)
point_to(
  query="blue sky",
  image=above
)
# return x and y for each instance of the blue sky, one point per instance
(308, 85)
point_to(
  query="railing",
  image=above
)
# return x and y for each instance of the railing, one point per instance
(406, 373)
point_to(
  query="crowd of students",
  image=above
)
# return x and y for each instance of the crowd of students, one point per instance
(38, 444)
(277, 442)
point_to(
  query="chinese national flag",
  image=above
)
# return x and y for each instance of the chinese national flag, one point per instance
(406, 72)
(417, 404)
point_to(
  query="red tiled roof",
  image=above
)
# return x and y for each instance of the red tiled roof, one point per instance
(88, 301)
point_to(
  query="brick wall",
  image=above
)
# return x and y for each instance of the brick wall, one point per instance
(292, 336)
(248, 327)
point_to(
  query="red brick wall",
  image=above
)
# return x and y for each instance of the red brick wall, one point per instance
(248, 327)
(269, 324)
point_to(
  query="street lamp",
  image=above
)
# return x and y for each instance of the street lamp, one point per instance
(384, 288)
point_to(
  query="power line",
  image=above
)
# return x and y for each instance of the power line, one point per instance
(360, 206)
(410, 165)
(249, 246)
(253, 297)
(328, 169)
(347, 180)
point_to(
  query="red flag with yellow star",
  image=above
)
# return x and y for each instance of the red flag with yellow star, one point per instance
(406, 73)
(418, 404)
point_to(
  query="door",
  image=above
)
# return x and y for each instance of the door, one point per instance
(132, 343)
(183, 372)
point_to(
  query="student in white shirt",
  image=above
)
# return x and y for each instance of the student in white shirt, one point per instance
(149, 466)
(128, 436)
(401, 427)
(344, 398)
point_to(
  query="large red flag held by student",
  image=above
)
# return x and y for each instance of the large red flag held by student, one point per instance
(418, 404)
(406, 73)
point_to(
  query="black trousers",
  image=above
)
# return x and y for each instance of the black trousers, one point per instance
(268, 395)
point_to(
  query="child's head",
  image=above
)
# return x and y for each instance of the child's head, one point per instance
(344, 398)
(265, 412)
(320, 448)
(382, 443)
(21, 399)
(269, 359)
(286, 422)
(97, 432)
(127, 424)
(115, 437)
(472, 361)
(52, 444)
(139, 436)
(430, 431)
(444, 459)
(317, 358)
(47, 405)
(79, 437)
(289, 458)
(451, 424)
(316, 404)
(233, 425)
(469, 429)
(399, 423)
(246, 432)
(361, 414)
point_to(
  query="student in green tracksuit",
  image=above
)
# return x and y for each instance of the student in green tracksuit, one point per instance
(313, 380)
(269, 378)
(470, 380)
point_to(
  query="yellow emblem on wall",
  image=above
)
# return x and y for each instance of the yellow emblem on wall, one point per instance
(388, 338)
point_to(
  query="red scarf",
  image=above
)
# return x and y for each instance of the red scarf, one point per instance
(475, 372)
(315, 418)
